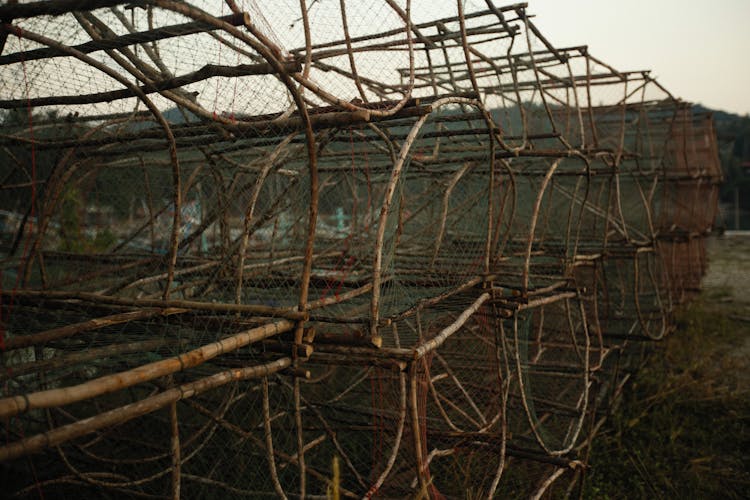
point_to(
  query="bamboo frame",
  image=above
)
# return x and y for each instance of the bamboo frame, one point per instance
(452, 257)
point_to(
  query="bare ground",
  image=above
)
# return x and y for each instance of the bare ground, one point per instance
(726, 288)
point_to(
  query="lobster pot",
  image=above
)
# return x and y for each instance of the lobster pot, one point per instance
(398, 249)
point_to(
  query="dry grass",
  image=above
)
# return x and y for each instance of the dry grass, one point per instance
(683, 429)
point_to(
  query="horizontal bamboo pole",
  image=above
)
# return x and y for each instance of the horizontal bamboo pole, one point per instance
(300, 350)
(336, 299)
(196, 134)
(325, 358)
(60, 435)
(109, 383)
(240, 129)
(124, 40)
(548, 300)
(90, 354)
(206, 72)
(13, 10)
(483, 65)
(396, 31)
(357, 338)
(86, 326)
(258, 310)
(369, 353)
(161, 276)
(413, 102)
(428, 42)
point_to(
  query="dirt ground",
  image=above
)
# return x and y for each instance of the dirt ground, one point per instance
(726, 288)
(729, 267)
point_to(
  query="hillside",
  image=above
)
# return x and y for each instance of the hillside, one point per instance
(733, 132)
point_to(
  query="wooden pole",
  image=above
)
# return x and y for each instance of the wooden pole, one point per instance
(58, 397)
(22, 341)
(94, 298)
(60, 435)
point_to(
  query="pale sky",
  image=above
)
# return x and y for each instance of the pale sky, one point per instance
(699, 50)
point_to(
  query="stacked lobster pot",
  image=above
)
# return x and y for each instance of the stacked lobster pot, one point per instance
(371, 249)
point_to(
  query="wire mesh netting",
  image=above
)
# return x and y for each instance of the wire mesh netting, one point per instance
(370, 249)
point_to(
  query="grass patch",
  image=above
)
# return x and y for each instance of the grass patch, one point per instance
(683, 428)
